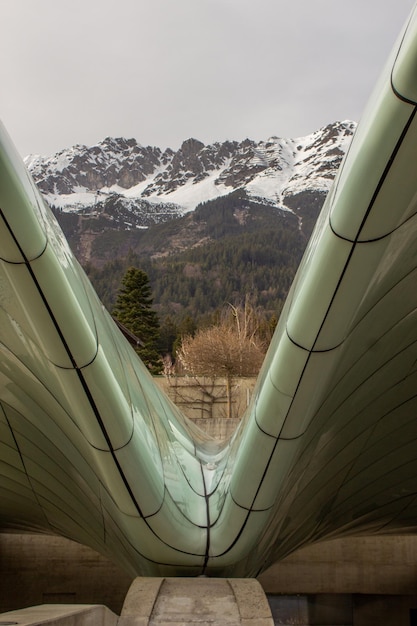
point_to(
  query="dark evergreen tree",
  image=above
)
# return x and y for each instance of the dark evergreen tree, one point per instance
(255, 255)
(133, 310)
(167, 336)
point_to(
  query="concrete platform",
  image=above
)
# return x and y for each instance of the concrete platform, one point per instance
(202, 601)
(160, 602)
(60, 615)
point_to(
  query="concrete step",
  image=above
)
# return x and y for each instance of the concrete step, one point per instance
(200, 601)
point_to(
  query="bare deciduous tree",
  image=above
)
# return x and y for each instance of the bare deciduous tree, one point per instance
(229, 349)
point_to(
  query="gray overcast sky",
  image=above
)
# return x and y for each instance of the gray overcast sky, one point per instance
(166, 70)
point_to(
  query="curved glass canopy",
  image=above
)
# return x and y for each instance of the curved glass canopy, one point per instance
(91, 449)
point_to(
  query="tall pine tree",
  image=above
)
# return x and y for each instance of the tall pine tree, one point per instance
(133, 310)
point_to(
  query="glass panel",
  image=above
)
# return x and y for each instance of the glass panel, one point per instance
(19, 201)
(271, 408)
(250, 468)
(68, 303)
(28, 314)
(396, 201)
(372, 148)
(404, 71)
(316, 288)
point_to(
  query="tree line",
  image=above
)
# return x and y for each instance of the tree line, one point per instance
(231, 342)
(199, 281)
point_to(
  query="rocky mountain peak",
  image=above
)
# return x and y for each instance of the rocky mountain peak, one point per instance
(190, 147)
(141, 178)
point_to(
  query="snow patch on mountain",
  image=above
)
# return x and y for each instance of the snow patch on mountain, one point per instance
(166, 184)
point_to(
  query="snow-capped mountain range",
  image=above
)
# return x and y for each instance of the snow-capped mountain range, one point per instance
(145, 185)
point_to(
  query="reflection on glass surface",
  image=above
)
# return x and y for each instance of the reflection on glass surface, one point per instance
(90, 448)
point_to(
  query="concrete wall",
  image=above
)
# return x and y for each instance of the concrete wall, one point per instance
(368, 565)
(373, 580)
(205, 398)
(368, 581)
(37, 569)
(61, 615)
